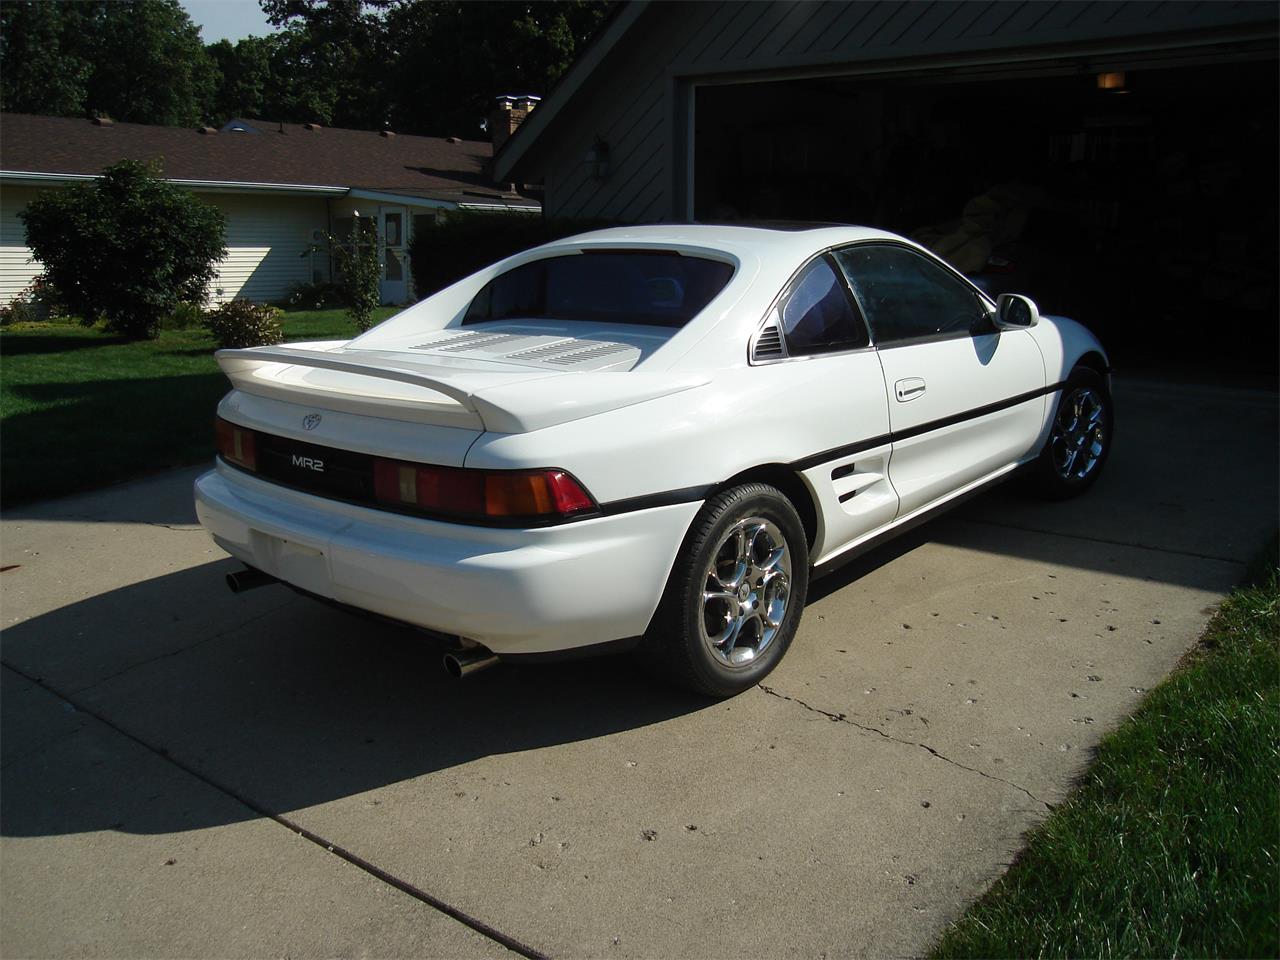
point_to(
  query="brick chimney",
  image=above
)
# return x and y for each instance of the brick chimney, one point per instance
(508, 113)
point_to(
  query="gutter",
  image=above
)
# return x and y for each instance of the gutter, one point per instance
(212, 186)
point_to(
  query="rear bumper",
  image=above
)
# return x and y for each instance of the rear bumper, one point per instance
(515, 591)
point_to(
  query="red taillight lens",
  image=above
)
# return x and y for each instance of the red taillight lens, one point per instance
(511, 494)
(235, 444)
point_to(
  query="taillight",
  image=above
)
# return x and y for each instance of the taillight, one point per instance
(235, 444)
(504, 494)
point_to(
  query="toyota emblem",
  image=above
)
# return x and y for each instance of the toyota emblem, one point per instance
(311, 421)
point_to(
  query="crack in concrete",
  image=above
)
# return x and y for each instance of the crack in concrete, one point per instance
(844, 718)
(185, 649)
(378, 873)
(1111, 543)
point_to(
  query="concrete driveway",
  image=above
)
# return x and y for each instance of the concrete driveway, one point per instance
(188, 772)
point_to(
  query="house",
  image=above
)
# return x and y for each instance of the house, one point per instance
(281, 187)
(1116, 159)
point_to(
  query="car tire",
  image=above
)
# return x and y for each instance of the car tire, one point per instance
(1080, 438)
(735, 594)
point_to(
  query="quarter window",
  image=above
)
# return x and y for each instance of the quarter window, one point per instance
(818, 315)
(907, 297)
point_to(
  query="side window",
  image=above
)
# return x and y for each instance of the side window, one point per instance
(907, 297)
(817, 314)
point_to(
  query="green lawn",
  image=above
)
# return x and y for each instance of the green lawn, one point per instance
(80, 408)
(1170, 846)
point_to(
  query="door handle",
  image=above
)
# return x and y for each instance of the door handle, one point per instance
(908, 389)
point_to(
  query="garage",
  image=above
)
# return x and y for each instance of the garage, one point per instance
(1140, 197)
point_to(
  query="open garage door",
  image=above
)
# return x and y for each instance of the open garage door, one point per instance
(1141, 199)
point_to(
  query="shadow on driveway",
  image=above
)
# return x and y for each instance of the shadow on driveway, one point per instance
(302, 705)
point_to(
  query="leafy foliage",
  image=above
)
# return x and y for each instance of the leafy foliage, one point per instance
(185, 316)
(133, 60)
(443, 252)
(420, 66)
(43, 63)
(126, 248)
(242, 323)
(314, 296)
(359, 271)
(449, 59)
(35, 303)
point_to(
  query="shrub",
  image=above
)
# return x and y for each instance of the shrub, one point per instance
(35, 302)
(314, 296)
(359, 270)
(240, 323)
(185, 316)
(127, 248)
(444, 252)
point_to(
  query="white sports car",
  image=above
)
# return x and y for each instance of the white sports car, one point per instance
(648, 437)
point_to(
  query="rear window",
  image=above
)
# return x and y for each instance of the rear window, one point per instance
(659, 288)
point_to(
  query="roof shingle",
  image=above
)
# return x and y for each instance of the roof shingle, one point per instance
(443, 169)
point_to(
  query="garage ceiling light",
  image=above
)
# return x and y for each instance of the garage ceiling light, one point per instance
(1113, 82)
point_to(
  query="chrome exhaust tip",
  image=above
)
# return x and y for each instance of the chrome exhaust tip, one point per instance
(463, 663)
(248, 579)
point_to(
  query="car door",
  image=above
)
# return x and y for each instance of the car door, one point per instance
(817, 347)
(965, 400)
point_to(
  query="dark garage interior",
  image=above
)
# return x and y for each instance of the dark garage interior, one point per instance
(1141, 201)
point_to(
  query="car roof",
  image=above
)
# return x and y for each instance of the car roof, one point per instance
(778, 237)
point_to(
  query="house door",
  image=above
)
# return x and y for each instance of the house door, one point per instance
(395, 270)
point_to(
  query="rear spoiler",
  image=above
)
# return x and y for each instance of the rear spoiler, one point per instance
(517, 403)
(239, 362)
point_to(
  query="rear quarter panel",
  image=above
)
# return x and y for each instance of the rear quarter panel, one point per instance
(742, 418)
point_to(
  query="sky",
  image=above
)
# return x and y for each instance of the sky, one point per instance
(228, 19)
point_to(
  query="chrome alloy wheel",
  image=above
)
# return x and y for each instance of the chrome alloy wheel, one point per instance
(1079, 434)
(745, 592)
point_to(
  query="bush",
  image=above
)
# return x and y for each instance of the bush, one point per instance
(444, 252)
(127, 248)
(35, 302)
(240, 323)
(314, 296)
(359, 271)
(185, 316)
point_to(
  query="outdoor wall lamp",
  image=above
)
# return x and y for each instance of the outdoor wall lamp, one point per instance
(598, 159)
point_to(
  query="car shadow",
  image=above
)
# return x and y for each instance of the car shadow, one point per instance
(301, 705)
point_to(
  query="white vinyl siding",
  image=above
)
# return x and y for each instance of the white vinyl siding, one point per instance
(16, 273)
(267, 239)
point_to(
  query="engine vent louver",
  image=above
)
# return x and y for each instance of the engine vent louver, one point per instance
(469, 336)
(547, 350)
(768, 343)
(595, 353)
(488, 342)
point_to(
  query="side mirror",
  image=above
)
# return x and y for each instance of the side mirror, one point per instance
(1016, 312)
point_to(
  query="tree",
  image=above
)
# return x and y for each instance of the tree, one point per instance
(126, 248)
(421, 66)
(134, 60)
(332, 58)
(360, 273)
(245, 78)
(43, 66)
(149, 64)
(450, 59)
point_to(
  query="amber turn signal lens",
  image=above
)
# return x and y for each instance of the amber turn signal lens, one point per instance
(511, 494)
(235, 444)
